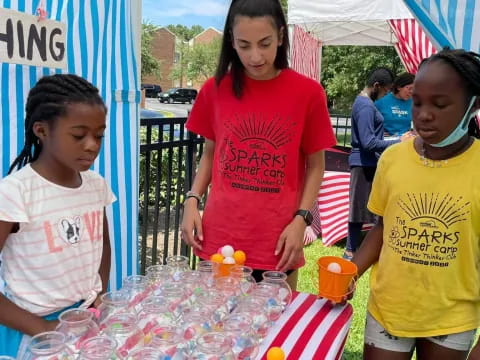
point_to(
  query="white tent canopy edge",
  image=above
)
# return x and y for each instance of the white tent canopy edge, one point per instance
(348, 22)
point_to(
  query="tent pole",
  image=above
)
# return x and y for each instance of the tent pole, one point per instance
(290, 37)
(320, 54)
(136, 13)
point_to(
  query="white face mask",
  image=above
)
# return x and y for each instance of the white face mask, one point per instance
(460, 130)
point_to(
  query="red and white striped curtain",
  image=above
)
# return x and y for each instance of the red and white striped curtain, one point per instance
(413, 44)
(306, 53)
(333, 206)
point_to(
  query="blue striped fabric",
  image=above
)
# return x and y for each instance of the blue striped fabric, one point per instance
(453, 23)
(100, 48)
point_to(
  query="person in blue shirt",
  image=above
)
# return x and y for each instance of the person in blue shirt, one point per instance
(367, 144)
(396, 106)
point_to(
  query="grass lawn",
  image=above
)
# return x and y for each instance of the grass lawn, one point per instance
(354, 346)
(344, 139)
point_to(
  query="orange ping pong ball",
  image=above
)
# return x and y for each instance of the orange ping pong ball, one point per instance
(275, 353)
(239, 257)
(217, 258)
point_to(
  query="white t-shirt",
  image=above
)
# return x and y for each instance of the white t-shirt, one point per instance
(52, 262)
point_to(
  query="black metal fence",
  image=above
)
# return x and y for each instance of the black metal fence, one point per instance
(342, 126)
(168, 158)
(169, 155)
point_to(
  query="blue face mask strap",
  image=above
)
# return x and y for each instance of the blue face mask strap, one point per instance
(467, 118)
(460, 130)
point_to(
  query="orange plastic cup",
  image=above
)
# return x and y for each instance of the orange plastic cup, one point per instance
(335, 286)
(222, 270)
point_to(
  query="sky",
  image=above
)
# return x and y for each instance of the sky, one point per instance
(207, 13)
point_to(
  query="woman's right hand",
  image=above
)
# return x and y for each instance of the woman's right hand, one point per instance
(191, 228)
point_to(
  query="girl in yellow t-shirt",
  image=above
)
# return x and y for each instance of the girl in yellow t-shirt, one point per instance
(425, 248)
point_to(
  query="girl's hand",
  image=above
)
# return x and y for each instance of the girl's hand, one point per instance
(50, 325)
(191, 224)
(97, 301)
(291, 242)
(349, 296)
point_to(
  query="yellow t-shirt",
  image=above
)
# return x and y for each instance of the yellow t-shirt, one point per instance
(426, 282)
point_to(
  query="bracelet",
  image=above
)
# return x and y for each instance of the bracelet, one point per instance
(191, 194)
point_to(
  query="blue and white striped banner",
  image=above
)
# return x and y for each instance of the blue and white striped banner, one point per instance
(100, 48)
(453, 23)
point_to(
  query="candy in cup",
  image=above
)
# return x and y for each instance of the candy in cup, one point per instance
(77, 325)
(212, 346)
(124, 330)
(98, 348)
(47, 346)
(239, 328)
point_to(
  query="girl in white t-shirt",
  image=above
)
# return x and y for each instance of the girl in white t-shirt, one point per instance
(53, 230)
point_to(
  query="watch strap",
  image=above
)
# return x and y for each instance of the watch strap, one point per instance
(306, 215)
(191, 194)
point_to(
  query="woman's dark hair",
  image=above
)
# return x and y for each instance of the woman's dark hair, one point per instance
(229, 59)
(47, 101)
(401, 81)
(467, 65)
(383, 76)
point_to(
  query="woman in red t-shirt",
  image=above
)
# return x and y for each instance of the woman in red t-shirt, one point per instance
(265, 128)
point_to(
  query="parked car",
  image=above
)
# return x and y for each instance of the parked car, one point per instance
(151, 90)
(178, 95)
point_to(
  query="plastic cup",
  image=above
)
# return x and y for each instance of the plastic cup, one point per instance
(221, 270)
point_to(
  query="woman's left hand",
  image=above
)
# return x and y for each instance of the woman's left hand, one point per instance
(291, 242)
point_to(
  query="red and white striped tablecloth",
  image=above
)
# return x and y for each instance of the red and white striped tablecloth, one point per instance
(310, 328)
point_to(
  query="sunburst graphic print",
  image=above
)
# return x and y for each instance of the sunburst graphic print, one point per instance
(446, 209)
(276, 132)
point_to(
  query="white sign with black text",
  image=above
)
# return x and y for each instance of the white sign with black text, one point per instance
(27, 40)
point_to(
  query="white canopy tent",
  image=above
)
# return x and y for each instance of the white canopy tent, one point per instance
(348, 22)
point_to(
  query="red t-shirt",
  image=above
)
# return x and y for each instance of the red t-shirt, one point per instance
(259, 162)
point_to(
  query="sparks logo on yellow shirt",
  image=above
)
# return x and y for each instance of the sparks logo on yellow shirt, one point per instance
(424, 232)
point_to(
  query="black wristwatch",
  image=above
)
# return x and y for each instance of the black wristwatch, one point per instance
(306, 215)
(191, 194)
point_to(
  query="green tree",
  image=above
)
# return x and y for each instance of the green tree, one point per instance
(284, 4)
(180, 68)
(185, 33)
(345, 70)
(150, 64)
(203, 60)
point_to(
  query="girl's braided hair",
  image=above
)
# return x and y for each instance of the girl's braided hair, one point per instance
(47, 101)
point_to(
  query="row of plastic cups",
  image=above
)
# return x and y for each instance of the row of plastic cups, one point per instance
(52, 345)
(226, 288)
(78, 326)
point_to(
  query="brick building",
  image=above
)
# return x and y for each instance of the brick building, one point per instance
(163, 48)
(205, 37)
